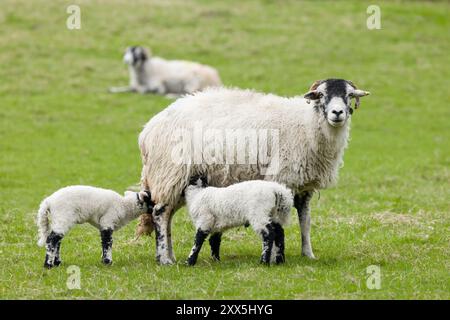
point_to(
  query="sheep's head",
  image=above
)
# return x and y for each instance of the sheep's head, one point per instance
(136, 56)
(333, 97)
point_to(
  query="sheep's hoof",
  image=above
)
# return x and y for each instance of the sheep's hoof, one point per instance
(107, 262)
(309, 256)
(57, 262)
(215, 258)
(165, 262)
(48, 265)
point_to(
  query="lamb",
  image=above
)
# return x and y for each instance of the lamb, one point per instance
(263, 205)
(233, 135)
(172, 78)
(104, 209)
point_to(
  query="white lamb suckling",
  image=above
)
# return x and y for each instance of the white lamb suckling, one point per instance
(263, 205)
(104, 209)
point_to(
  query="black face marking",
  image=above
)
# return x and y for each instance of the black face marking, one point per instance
(336, 88)
(194, 180)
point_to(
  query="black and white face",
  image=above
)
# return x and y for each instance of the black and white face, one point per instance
(135, 56)
(333, 97)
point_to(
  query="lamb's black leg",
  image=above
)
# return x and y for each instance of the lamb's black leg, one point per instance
(199, 239)
(279, 244)
(268, 237)
(57, 256)
(214, 242)
(52, 244)
(107, 242)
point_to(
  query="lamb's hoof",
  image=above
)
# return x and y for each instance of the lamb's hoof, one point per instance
(280, 260)
(107, 262)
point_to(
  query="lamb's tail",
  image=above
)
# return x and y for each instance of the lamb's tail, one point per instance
(43, 223)
(283, 204)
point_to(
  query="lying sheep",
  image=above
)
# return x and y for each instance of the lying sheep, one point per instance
(172, 78)
(104, 209)
(305, 151)
(263, 205)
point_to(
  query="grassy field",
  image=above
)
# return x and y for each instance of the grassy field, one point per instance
(59, 127)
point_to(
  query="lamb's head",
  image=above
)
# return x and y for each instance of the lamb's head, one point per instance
(136, 56)
(332, 97)
(142, 200)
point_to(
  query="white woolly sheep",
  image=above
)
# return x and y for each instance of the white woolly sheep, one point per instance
(172, 78)
(104, 209)
(264, 205)
(304, 150)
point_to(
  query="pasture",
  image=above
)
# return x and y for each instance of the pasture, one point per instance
(59, 126)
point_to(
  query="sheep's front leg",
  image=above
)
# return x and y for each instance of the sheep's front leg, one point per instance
(161, 218)
(301, 203)
(199, 239)
(214, 243)
(107, 242)
(268, 237)
(52, 247)
(279, 244)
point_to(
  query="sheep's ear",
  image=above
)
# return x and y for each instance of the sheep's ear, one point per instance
(312, 95)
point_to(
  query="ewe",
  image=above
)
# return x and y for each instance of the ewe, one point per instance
(104, 209)
(264, 205)
(304, 152)
(172, 78)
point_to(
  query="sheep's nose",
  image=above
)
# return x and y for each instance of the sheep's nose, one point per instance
(337, 112)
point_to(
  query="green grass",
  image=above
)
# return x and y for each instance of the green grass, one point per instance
(60, 127)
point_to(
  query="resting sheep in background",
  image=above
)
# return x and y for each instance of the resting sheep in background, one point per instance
(173, 78)
(264, 205)
(104, 209)
(304, 152)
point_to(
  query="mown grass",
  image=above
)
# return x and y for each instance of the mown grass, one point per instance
(59, 126)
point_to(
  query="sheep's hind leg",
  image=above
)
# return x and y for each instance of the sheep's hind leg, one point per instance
(57, 256)
(268, 237)
(199, 239)
(279, 244)
(214, 243)
(52, 245)
(301, 203)
(107, 241)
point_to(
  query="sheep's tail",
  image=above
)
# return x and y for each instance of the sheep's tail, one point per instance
(43, 223)
(283, 204)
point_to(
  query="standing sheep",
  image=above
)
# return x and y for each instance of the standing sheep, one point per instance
(304, 150)
(264, 205)
(104, 209)
(172, 78)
